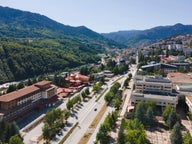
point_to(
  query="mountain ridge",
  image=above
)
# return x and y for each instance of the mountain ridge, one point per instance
(136, 38)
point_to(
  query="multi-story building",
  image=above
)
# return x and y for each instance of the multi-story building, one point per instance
(148, 84)
(15, 104)
(153, 88)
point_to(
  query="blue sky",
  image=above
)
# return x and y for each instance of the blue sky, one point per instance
(110, 15)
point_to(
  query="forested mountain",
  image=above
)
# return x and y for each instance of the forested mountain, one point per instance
(32, 44)
(136, 38)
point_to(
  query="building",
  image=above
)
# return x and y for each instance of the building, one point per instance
(164, 68)
(148, 84)
(76, 80)
(153, 88)
(161, 100)
(188, 101)
(15, 104)
(185, 66)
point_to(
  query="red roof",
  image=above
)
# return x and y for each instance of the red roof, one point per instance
(67, 90)
(19, 93)
(42, 83)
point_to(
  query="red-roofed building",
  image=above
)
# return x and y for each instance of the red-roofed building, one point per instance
(77, 80)
(16, 103)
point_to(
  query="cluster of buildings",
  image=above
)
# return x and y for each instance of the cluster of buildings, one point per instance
(75, 82)
(163, 90)
(42, 94)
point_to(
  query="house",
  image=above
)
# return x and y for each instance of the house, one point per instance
(17, 103)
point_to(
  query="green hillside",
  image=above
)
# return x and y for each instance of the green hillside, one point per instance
(32, 44)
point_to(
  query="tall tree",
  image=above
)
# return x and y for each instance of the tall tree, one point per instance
(140, 112)
(172, 119)
(150, 119)
(166, 112)
(176, 137)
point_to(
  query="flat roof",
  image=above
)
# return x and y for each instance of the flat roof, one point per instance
(42, 83)
(19, 93)
(180, 78)
(155, 96)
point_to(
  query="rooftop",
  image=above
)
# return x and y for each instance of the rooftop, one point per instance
(180, 78)
(155, 96)
(19, 93)
(42, 83)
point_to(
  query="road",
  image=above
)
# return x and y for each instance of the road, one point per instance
(84, 114)
(31, 136)
(89, 116)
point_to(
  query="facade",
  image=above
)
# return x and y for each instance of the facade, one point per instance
(148, 84)
(161, 100)
(16, 103)
(153, 88)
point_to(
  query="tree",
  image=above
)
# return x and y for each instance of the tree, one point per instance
(187, 139)
(52, 123)
(130, 75)
(117, 104)
(150, 119)
(172, 119)
(84, 70)
(16, 139)
(109, 96)
(87, 91)
(126, 83)
(102, 135)
(166, 112)
(83, 94)
(29, 82)
(135, 133)
(140, 112)
(11, 88)
(176, 137)
(121, 137)
(20, 85)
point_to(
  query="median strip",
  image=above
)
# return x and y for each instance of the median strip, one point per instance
(93, 125)
(69, 133)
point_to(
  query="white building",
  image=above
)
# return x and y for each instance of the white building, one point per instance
(155, 84)
(153, 88)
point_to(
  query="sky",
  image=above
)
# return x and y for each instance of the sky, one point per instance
(105, 16)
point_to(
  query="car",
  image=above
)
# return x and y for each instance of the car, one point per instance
(60, 133)
(95, 109)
